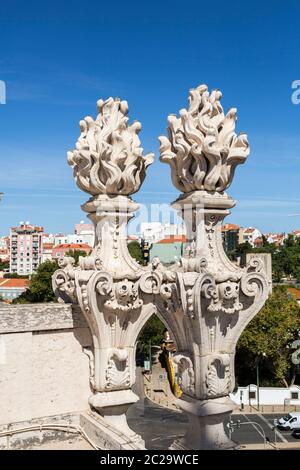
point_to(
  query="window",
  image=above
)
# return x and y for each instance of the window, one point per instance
(295, 395)
(252, 395)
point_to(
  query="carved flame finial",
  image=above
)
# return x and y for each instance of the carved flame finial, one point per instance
(203, 149)
(108, 158)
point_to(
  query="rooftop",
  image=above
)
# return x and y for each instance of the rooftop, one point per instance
(174, 239)
(13, 283)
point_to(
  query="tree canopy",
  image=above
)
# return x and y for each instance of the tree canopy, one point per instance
(40, 289)
(76, 255)
(266, 342)
(135, 251)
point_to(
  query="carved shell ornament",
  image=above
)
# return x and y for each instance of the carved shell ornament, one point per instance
(203, 149)
(108, 158)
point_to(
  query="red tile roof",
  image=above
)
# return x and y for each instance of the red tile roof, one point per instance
(174, 239)
(48, 246)
(13, 283)
(226, 227)
(74, 246)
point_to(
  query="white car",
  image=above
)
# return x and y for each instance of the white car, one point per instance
(290, 421)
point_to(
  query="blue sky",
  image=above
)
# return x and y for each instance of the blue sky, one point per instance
(57, 58)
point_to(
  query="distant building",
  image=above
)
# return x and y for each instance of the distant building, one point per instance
(296, 233)
(10, 289)
(25, 248)
(169, 250)
(83, 227)
(85, 233)
(59, 251)
(152, 232)
(230, 235)
(4, 249)
(268, 396)
(249, 235)
(276, 238)
(47, 252)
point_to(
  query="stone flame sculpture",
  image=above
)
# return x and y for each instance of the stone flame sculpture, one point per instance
(211, 299)
(108, 158)
(108, 163)
(205, 300)
(202, 149)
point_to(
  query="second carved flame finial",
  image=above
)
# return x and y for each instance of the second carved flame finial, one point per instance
(108, 158)
(203, 149)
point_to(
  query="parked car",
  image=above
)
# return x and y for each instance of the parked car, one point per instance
(290, 421)
(296, 433)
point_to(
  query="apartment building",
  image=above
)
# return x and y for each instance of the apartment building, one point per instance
(25, 248)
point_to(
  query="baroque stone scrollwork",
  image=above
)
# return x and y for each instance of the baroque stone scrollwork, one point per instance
(186, 373)
(215, 299)
(117, 372)
(218, 378)
(205, 300)
(111, 288)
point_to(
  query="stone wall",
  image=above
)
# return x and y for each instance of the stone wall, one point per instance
(44, 370)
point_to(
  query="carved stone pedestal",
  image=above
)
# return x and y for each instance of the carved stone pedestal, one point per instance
(110, 286)
(205, 300)
(206, 428)
(113, 406)
(106, 436)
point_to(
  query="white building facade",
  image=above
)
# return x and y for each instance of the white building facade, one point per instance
(281, 396)
(25, 248)
(152, 232)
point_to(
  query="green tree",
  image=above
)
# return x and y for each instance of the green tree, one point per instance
(14, 276)
(244, 248)
(4, 265)
(135, 251)
(152, 333)
(76, 254)
(40, 289)
(267, 338)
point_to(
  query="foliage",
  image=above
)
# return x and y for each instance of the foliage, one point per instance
(152, 333)
(135, 251)
(266, 342)
(14, 276)
(285, 258)
(76, 254)
(4, 265)
(40, 289)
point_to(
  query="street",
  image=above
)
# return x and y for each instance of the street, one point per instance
(249, 433)
(159, 426)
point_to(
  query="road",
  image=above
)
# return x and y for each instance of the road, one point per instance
(159, 427)
(252, 433)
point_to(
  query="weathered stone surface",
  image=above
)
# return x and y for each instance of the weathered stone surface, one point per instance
(26, 434)
(35, 317)
(44, 368)
(205, 300)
